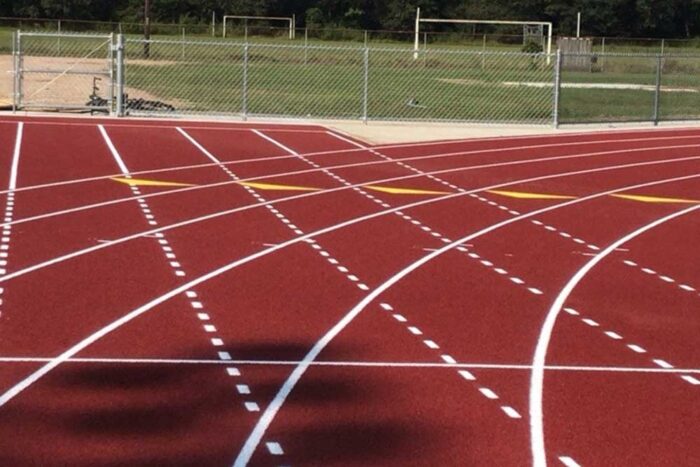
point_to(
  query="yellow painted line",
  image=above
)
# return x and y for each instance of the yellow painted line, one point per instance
(404, 191)
(525, 195)
(143, 182)
(274, 186)
(656, 199)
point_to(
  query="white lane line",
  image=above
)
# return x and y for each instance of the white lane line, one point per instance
(276, 143)
(365, 364)
(568, 461)
(113, 150)
(539, 453)
(375, 364)
(15, 157)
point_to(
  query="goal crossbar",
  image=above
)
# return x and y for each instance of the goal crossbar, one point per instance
(291, 20)
(420, 20)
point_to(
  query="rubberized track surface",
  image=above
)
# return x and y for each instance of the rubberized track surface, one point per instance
(180, 293)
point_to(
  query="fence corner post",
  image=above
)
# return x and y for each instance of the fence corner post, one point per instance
(657, 90)
(365, 86)
(557, 89)
(119, 82)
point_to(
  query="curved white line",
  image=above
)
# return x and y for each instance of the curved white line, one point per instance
(347, 150)
(270, 412)
(537, 376)
(77, 253)
(36, 375)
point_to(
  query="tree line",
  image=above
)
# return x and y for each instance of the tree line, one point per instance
(624, 18)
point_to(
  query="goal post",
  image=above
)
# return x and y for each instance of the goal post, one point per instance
(420, 20)
(290, 20)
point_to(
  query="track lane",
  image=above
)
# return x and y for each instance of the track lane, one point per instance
(143, 309)
(540, 354)
(454, 152)
(594, 184)
(273, 249)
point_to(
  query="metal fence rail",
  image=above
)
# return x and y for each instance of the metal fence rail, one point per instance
(354, 82)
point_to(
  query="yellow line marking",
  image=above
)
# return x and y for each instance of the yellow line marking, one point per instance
(143, 182)
(524, 195)
(656, 199)
(404, 191)
(274, 186)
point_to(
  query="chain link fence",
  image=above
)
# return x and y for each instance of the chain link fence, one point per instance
(74, 72)
(123, 75)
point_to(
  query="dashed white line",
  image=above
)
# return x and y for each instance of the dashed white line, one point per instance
(568, 461)
(636, 348)
(692, 380)
(511, 412)
(488, 393)
(613, 335)
(431, 344)
(274, 448)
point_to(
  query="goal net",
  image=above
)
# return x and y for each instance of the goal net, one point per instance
(288, 22)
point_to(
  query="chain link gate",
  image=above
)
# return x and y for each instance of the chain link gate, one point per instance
(65, 72)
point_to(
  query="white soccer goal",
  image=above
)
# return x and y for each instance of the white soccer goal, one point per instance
(526, 24)
(289, 20)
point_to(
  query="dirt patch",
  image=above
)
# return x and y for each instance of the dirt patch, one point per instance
(460, 81)
(53, 89)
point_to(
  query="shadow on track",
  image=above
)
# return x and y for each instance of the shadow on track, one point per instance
(109, 414)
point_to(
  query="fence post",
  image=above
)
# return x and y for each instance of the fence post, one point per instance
(557, 90)
(365, 87)
(119, 85)
(17, 98)
(183, 43)
(657, 92)
(245, 83)
(15, 69)
(58, 42)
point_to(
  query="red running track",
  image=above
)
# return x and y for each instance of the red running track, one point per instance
(306, 318)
